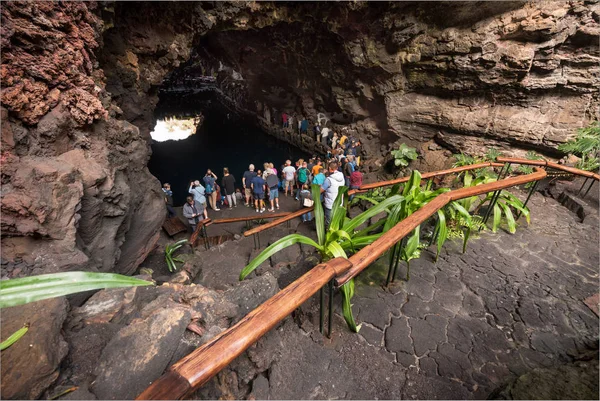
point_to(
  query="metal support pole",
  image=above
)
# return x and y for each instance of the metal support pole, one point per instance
(584, 182)
(330, 321)
(258, 238)
(206, 244)
(254, 238)
(504, 173)
(590, 187)
(434, 234)
(321, 309)
(531, 191)
(397, 260)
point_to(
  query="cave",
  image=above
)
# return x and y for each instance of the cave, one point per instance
(103, 102)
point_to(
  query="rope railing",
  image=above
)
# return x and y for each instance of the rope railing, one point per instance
(205, 362)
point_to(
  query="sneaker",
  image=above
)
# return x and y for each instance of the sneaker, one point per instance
(277, 207)
(256, 210)
(271, 210)
(297, 199)
(216, 210)
(262, 210)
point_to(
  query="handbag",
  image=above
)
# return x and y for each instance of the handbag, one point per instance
(308, 202)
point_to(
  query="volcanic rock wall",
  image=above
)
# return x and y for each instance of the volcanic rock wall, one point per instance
(80, 82)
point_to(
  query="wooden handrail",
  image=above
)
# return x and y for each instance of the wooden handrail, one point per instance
(201, 223)
(277, 222)
(431, 175)
(250, 218)
(366, 187)
(202, 364)
(371, 253)
(556, 166)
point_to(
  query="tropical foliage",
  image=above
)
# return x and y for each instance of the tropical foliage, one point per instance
(404, 155)
(586, 145)
(345, 236)
(169, 250)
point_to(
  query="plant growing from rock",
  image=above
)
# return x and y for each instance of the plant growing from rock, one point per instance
(169, 250)
(586, 145)
(404, 155)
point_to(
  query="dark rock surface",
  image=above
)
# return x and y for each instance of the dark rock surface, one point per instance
(32, 364)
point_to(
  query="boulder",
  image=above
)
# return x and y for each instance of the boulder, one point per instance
(31, 364)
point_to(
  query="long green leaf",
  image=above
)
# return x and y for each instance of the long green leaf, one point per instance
(351, 225)
(510, 220)
(367, 230)
(275, 247)
(412, 245)
(442, 234)
(14, 337)
(467, 234)
(337, 211)
(20, 291)
(497, 217)
(348, 293)
(359, 242)
(319, 213)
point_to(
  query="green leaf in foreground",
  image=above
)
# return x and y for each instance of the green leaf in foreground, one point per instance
(20, 291)
(13, 338)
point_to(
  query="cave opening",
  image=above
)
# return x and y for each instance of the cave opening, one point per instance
(222, 138)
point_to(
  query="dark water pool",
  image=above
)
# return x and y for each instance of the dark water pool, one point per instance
(221, 141)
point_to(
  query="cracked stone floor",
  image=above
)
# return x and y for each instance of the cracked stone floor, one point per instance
(459, 328)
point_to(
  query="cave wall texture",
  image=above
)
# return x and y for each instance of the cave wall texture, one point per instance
(80, 82)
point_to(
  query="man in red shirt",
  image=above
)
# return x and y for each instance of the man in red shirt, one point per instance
(355, 179)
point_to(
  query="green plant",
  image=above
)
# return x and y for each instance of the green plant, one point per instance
(463, 160)
(492, 154)
(24, 290)
(502, 209)
(586, 145)
(19, 291)
(14, 338)
(404, 155)
(169, 250)
(342, 237)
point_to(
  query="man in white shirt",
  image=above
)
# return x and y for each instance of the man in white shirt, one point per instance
(324, 135)
(289, 175)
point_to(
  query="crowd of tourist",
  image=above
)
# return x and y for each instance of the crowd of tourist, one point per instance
(261, 187)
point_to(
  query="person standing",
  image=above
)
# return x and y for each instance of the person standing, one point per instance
(197, 191)
(305, 194)
(355, 180)
(169, 199)
(317, 131)
(273, 185)
(193, 211)
(289, 174)
(334, 140)
(258, 191)
(325, 135)
(228, 184)
(330, 189)
(247, 183)
(304, 126)
(291, 122)
(302, 174)
(284, 118)
(209, 181)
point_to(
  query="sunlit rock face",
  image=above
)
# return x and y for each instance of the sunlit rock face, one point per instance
(80, 82)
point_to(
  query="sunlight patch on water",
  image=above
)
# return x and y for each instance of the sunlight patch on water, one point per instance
(172, 128)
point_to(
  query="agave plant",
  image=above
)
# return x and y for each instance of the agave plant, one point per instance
(344, 236)
(169, 250)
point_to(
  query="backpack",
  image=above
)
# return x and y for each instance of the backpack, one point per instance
(209, 186)
(302, 174)
(272, 181)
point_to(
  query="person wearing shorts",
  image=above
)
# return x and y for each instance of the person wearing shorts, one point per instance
(273, 184)
(289, 175)
(247, 181)
(258, 191)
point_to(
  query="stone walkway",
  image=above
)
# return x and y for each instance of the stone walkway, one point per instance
(460, 328)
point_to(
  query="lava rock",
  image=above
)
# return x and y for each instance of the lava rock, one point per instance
(31, 364)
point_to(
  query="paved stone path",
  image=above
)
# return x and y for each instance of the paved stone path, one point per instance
(460, 328)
